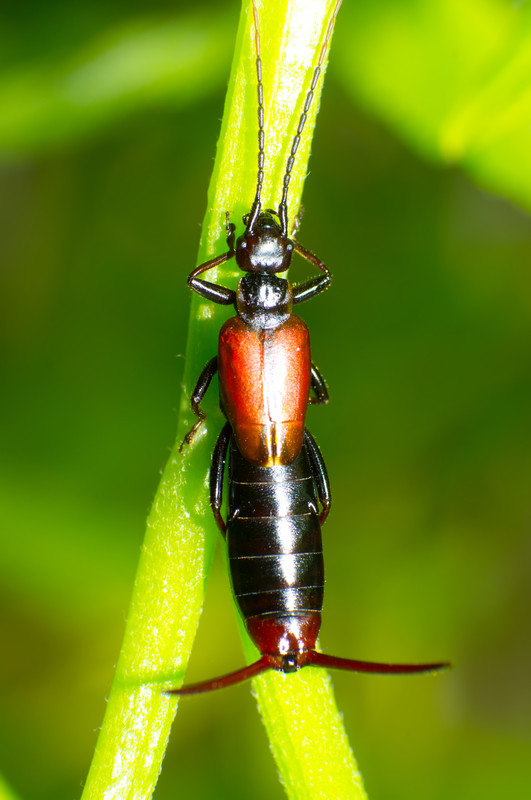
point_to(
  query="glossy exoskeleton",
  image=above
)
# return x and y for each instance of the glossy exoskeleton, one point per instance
(279, 494)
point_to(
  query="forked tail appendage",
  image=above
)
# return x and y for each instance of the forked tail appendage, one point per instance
(311, 658)
(240, 675)
(373, 667)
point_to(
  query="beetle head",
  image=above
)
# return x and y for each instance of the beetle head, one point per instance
(263, 247)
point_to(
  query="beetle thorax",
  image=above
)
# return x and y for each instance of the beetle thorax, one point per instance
(264, 301)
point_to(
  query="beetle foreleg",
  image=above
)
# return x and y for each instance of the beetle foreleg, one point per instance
(211, 291)
(308, 289)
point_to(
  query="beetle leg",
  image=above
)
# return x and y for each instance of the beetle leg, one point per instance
(320, 475)
(217, 471)
(212, 291)
(230, 227)
(308, 289)
(319, 387)
(203, 382)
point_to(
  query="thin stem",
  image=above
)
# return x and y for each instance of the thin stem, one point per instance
(299, 711)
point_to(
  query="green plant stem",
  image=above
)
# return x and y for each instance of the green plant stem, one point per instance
(299, 711)
(6, 793)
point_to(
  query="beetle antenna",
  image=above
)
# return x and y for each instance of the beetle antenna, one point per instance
(283, 207)
(255, 210)
(373, 667)
(244, 674)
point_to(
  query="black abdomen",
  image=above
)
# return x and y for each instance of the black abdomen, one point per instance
(274, 538)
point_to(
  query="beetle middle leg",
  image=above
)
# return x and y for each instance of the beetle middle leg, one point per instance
(203, 382)
(319, 388)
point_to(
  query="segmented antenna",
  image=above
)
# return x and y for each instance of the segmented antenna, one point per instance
(255, 210)
(283, 207)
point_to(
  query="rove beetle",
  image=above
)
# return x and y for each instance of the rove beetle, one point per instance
(276, 472)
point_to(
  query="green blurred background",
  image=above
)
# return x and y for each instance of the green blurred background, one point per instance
(109, 118)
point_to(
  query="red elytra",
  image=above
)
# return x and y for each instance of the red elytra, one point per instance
(264, 380)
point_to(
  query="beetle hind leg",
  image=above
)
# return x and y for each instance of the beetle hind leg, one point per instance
(217, 470)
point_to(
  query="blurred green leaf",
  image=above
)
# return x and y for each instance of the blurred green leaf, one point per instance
(453, 78)
(141, 63)
(5, 791)
(83, 543)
